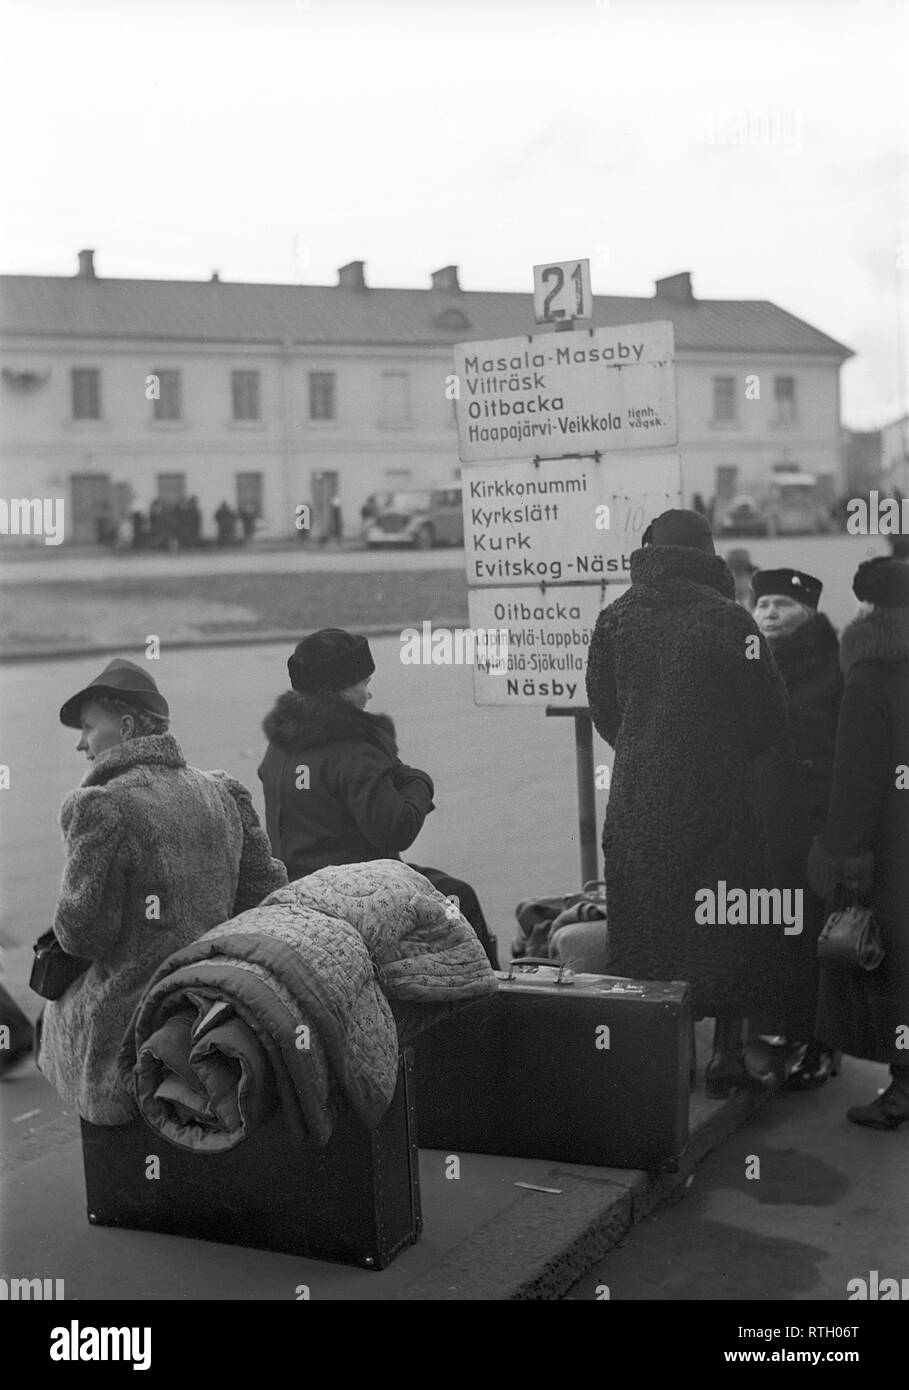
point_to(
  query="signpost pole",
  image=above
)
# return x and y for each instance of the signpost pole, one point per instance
(587, 810)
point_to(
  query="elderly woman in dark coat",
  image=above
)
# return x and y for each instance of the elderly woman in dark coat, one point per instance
(864, 848)
(336, 791)
(156, 853)
(793, 783)
(673, 689)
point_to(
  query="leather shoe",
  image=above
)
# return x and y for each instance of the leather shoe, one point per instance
(889, 1111)
(720, 1082)
(816, 1066)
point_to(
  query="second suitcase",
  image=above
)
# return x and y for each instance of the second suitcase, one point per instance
(594, 1072)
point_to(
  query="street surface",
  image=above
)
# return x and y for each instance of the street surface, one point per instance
(830, 1204)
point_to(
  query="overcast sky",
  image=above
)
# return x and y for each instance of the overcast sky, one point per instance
(764, 147)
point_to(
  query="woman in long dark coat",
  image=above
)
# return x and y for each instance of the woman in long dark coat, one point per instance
(865, 845)
(336, 791)
(672, 688)
(793, 783)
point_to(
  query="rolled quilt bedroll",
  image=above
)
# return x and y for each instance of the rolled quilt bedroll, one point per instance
(290, 1004)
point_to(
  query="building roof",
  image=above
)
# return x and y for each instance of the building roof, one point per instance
(215, 311)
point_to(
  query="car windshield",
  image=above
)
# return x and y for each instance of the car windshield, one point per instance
(407, 501)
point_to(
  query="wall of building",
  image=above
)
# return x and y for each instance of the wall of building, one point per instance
(368, 451)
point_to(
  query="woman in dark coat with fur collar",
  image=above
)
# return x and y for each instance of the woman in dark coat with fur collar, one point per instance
(671, 687)
(793, 782)
(336, 791)
(864, 848)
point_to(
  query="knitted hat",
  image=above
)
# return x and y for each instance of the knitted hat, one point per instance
(804, 588)
(125, 681)
(680, 528)
(882, 581)
(329, 659)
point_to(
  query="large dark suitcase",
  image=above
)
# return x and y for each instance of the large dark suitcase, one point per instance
(356, 1201)
(530, 1072)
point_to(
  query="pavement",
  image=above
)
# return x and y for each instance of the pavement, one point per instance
(484, 1238)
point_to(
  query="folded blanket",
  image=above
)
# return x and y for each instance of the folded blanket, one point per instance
(288, 1004)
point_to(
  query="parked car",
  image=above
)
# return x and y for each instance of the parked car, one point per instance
(418, 517)
(743, 517)
(797, 506)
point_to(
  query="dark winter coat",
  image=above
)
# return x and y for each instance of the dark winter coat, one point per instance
(869, 816)
(156, 854)
(672, 689)
(793, 785)
(336, 791)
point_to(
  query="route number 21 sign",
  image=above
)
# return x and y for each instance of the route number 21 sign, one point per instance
(561, 290)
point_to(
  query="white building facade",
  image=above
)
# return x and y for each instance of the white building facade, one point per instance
(117, 392)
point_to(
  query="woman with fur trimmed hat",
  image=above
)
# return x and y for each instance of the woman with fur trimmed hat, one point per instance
(793, 783)
(672, 688)
(863, 850)
(156, 853)
(336, 791)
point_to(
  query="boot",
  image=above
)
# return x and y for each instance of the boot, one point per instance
(726, 1071)
(891, 1109)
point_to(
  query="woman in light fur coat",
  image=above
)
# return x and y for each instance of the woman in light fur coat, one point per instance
(156, 853)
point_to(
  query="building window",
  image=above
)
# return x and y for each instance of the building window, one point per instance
(86, 393)
(724, 398)
(244, 390)
(784, 396)
(322, 396)
(167, 403)
(395, 409)
(171, 487)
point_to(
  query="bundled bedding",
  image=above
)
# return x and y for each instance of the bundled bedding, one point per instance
(289, 1005)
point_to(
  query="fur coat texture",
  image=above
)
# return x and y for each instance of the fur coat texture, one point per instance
(156, 854)
(867, 833)
(793, 785)
(671, 687)
(361, 801)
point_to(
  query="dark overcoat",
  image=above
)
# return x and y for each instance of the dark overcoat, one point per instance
(672, 688)
(866, 1015)
(793, 784)
(336, 791)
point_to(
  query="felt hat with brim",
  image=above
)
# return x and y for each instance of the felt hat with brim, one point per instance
(123, 680)
(794, 584)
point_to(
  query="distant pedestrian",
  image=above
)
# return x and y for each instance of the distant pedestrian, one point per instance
(140, 530)
(698, 504)
(739, 561)
(226, 522)
(863, 851)
(336, 524)
(793, 784)
(672, 689)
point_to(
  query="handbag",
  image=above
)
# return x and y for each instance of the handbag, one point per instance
(53, 969)
(850, 941)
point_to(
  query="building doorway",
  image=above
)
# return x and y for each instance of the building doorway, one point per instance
(90, 500)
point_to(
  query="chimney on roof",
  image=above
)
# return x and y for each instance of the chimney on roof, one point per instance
(216, 277)
(352, 276)
(86, 265)
(677, 287)
(445, 279)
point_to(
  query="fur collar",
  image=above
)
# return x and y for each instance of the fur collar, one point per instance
(310, 721)
(676, 568)
(881, 635)
(154, 750)
(806, 650)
